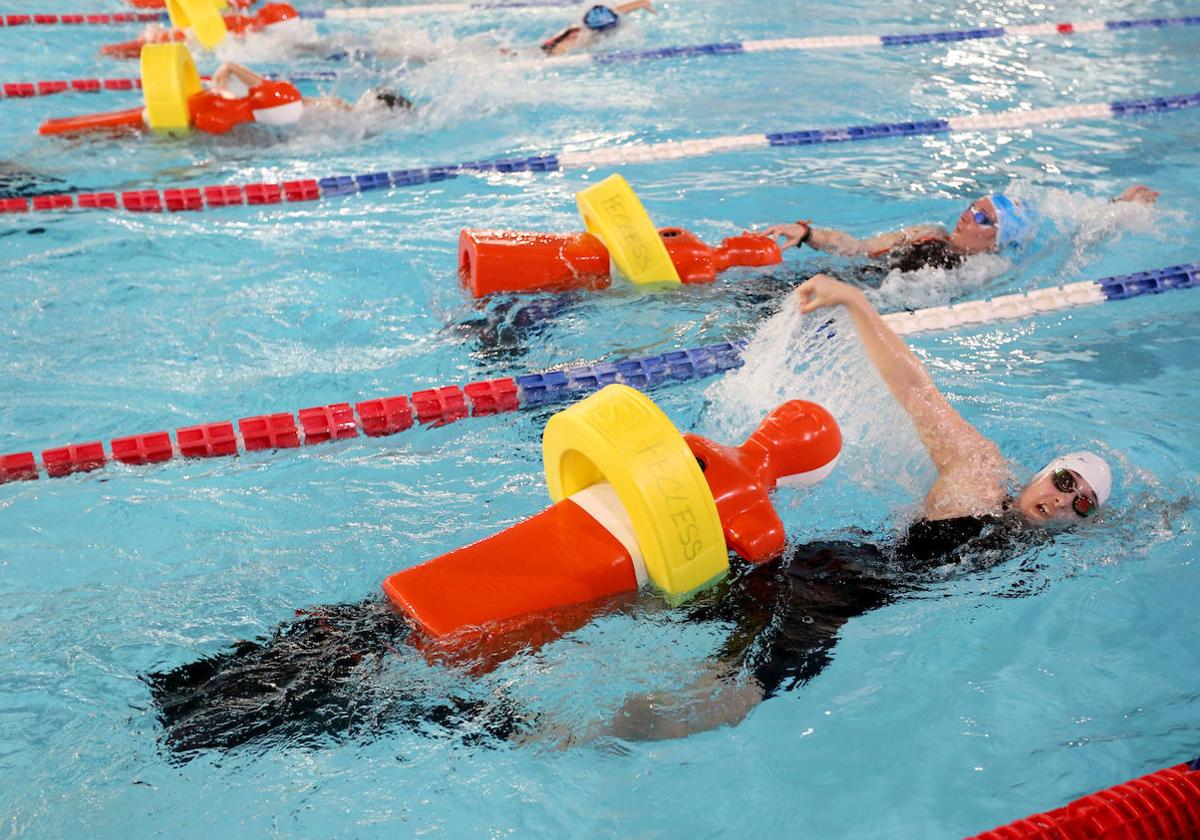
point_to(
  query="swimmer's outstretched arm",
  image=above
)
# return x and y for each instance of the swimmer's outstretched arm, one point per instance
(972, 474)
(1138, 194)
(635, 5)
(220, 79)
(837, 242)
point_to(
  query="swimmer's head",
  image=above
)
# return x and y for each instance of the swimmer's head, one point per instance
(600, 18)
(1013, 224)
(990, 224)
(1069, 488)
(389, 99)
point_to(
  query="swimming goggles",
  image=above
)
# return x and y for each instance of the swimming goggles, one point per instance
(981, 218)
(1064, 482)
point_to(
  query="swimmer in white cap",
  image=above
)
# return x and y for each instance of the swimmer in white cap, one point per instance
(973, 478)
(989, 224)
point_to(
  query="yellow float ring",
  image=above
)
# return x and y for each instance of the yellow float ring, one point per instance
(169, 79)
(618, 435)
(611, 210)
(203, 17)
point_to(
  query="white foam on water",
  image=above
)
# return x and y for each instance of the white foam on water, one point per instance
(1076, 223)
(818, 357)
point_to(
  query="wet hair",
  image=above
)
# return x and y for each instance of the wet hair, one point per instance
(392, 99)
(925, 253)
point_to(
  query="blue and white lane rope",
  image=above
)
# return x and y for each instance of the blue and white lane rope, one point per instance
(1040, 301)
(447, 404)
(855, 42)
(200, 198)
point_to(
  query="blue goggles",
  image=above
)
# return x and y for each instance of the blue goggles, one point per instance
(982, 218)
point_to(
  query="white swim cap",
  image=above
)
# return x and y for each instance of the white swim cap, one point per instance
(1091, 468)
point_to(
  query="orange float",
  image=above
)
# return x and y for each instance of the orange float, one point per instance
(128, 120)
(270, 103)
(587, 548)
(519, 261)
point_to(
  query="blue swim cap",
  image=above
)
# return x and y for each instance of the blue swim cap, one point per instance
(600, 18)
(1013, 222)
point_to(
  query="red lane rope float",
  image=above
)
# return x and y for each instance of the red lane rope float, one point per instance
(78, 19)
(21, 90)
(1164, 805)
(75, 20)
(319, 424)
(375, 417)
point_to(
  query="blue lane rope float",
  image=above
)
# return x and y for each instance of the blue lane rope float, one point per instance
(439, 406)
(200, 198)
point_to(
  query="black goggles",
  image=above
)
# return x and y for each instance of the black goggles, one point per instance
(1064, 482)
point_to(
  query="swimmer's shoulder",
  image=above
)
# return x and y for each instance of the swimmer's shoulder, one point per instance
(922, 233)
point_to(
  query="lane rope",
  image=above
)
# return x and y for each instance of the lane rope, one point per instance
(15, 90)
(446, 404)
(854, 42)
(314, 189)
(364, 12)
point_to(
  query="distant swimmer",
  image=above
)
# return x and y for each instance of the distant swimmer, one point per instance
(989, 224)
(596, 22)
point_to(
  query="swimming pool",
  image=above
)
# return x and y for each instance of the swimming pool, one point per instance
(988, 696)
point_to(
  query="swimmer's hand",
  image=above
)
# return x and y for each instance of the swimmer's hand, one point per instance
(1138, 194)
(822, 292)
(792, 233)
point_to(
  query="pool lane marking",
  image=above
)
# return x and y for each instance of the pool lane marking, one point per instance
(446, 404)
(78, 19)
(1040, 301)
(857, 42)
(313, 189)
(24, 90)
(21, 90)
(374, 417)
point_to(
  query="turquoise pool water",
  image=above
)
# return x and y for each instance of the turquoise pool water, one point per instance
(989, 696)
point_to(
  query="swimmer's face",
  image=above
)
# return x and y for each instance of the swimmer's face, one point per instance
(975, 232)
(1042, 502)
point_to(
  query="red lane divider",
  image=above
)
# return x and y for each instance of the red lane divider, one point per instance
(320, 424)
(1164, 805)
(153, 201)
(22, 90)
(52, 20)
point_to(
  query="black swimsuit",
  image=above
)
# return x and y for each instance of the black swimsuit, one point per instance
(312, 676)
(787, 617)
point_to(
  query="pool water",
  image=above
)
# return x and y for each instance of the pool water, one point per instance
(984, 697)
